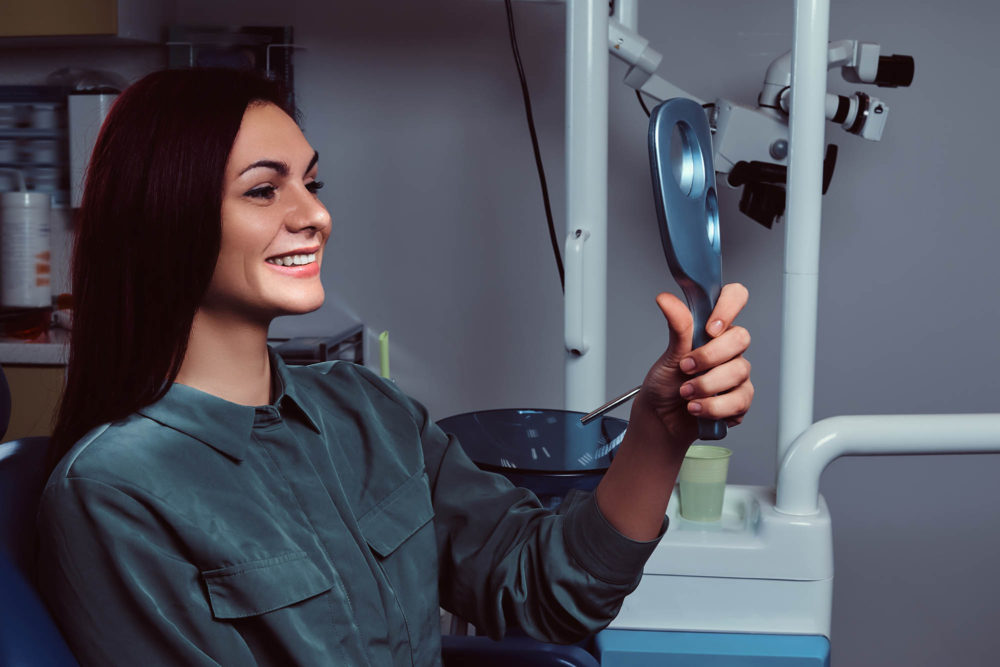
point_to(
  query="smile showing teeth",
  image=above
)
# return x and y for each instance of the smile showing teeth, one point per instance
(293, 260)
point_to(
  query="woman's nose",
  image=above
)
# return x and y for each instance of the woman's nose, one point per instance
(308, 212)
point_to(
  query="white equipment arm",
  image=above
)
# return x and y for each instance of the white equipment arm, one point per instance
(739, 133)
(742, 134)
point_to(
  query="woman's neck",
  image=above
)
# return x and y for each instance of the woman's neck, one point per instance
(227, 357)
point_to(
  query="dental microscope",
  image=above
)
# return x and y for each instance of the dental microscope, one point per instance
(751, 144)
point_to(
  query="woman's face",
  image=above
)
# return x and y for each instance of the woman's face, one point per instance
(274, 226)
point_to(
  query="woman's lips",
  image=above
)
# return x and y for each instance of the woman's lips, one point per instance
(295, 257)
(297, 270)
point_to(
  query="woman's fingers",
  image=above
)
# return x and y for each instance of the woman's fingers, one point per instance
(729, 345)
(721, 386)
(732, 300)
(718, 380)
(731, 405)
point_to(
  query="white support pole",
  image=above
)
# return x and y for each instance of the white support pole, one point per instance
(586, 202)
(802, 220)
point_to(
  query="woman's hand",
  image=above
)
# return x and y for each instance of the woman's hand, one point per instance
(634, 492)
(711, 382)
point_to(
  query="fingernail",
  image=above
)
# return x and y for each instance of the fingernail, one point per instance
(687, 365)
(715, 327)
(687, 390)
(694, 408)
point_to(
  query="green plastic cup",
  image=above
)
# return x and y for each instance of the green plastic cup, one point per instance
(702, 482)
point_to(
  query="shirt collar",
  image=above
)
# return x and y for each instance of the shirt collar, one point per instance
(285, 388)
(223, 425)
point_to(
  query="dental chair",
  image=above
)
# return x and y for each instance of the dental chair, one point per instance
(28, 635)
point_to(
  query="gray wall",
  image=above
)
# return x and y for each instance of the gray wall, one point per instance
(439, 237)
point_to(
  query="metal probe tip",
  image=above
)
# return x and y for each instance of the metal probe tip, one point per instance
(610, 405)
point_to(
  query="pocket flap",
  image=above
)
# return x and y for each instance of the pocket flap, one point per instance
(402, 513)
(260, 586)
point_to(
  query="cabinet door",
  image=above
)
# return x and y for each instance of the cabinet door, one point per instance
(42, 18)
(34, 398)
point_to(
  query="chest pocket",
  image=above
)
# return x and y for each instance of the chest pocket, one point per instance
(398, 517)
(400, 533)
(258, 587)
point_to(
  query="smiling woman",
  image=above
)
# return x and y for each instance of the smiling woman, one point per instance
(213, 506)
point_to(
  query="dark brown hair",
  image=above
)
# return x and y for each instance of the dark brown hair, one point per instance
(148, 235)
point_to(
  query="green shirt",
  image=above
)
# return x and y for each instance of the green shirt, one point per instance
(323, 529)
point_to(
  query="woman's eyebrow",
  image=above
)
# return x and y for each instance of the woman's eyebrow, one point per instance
(280, 167)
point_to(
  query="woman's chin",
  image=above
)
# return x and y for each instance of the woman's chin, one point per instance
(303, 305)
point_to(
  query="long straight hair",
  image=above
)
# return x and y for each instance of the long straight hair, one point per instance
(148, 237)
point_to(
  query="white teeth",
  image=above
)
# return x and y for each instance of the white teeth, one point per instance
(293, 260)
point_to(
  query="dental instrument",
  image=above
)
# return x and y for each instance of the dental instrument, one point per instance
(610, 405)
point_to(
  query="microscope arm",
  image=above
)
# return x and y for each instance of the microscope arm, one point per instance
(739, 133)
(631, 47)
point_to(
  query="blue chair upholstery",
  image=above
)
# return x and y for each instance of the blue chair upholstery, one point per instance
(22, 478)
(28, 635)
(462, 651)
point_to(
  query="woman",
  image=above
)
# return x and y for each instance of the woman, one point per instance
(227, 509)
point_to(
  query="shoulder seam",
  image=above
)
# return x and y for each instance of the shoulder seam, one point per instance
(380, 387)
(89, 440)
(79, 478)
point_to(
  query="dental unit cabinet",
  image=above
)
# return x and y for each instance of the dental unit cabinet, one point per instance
(756, 570)
(756, 587)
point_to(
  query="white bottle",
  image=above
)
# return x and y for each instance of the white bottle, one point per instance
(25, 253)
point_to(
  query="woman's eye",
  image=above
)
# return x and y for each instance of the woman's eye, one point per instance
(263, 192)
(314, 187)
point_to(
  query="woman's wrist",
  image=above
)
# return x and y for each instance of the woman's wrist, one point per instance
(652, 428)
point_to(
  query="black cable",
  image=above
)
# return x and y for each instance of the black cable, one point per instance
(642, 102)
(534, 144)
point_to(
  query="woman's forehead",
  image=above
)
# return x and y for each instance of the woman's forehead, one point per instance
(268, 133)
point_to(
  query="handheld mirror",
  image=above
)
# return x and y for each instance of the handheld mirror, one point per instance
(680, 156)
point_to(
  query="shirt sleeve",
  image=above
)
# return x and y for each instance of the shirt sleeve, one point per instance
(108, 564)
(505, 561)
